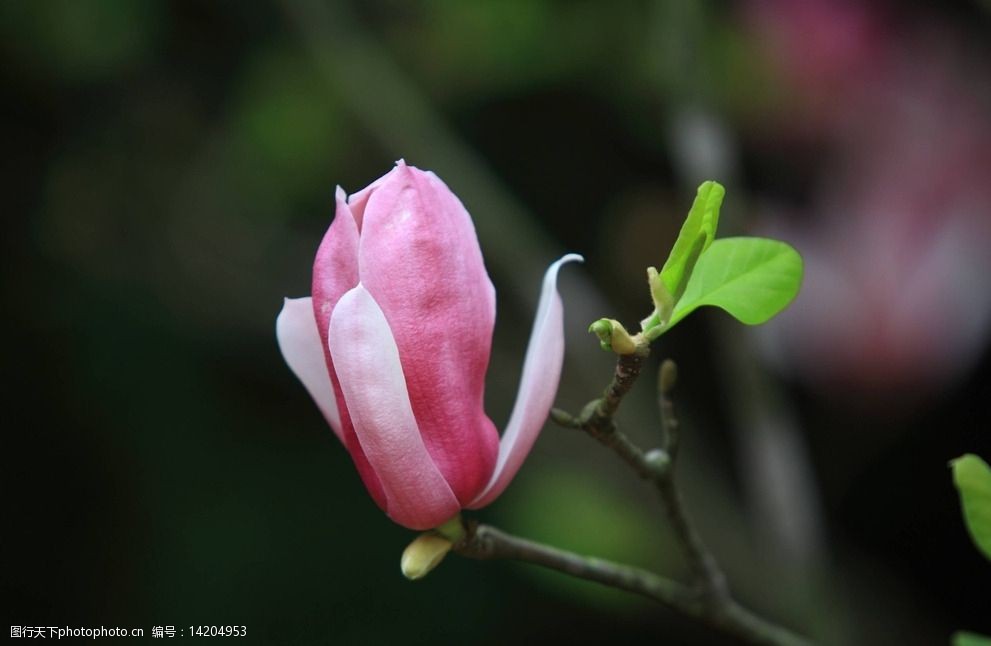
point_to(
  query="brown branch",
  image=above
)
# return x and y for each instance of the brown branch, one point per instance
(709, 599)
(596, 418)
(704, 567)
(485, 542)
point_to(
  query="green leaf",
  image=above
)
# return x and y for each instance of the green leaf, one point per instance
(751, 278)
(695, 237)
(972, 477)
(961, 638)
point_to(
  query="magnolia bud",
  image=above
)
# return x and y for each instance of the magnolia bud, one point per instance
(362, 348)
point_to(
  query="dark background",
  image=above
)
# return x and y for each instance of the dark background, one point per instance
(169, 169)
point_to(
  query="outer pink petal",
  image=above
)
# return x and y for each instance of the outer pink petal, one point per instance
(299, 340)
(538, 386)
(420, 259)
(335, 271)
(371, 379)
(358, 201)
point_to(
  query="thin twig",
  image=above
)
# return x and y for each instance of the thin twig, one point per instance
(709, 599)
(486, 542)
(707, 572)
(596, 418)
(667, 376)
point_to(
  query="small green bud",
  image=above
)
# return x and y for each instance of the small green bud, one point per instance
(424, 554)
(668, 375)
(613, 336)
(662, 298)
(602, 329)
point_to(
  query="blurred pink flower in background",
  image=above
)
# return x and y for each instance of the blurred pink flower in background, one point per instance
(897, 236)
(394, 344)
(826, 52)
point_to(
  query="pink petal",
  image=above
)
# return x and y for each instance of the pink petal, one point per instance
(358, 201)
(335, 271)
(538, 386)
(420, 260)
(372, 382)
(299, 340)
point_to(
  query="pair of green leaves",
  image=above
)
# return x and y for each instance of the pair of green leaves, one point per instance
(750, 278)
(972, 476)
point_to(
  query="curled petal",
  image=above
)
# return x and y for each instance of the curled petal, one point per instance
(299, 340)
(374, 389)
(538, 386)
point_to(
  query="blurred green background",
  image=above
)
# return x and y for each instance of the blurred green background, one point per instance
(170, 170)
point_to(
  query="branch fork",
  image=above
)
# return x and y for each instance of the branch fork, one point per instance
(707, 598)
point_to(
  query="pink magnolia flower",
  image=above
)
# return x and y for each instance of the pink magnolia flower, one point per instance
(897, 234)
(394, 343)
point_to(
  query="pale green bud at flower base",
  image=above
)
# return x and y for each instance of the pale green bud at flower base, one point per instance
(424, 554)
